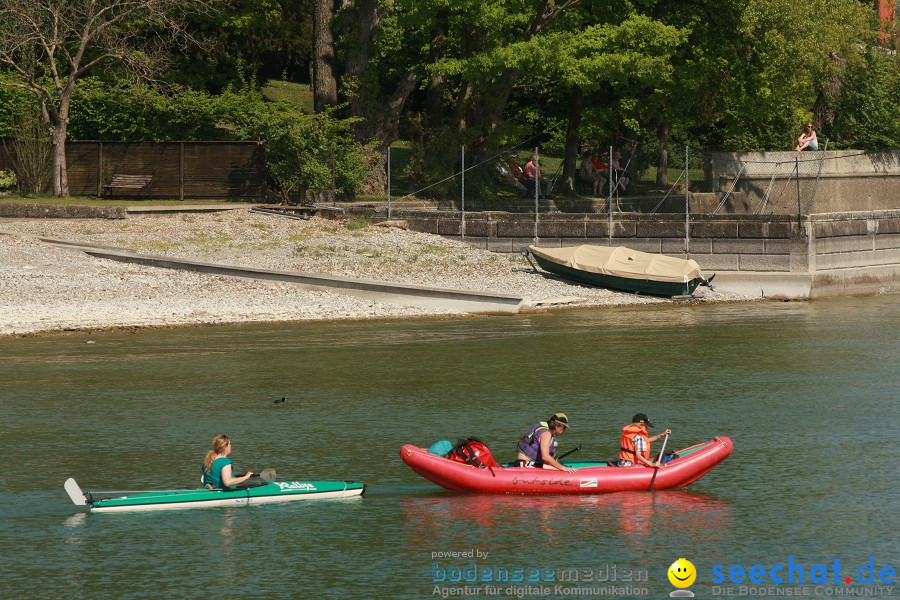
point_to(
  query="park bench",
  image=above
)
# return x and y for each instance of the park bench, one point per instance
(132, 182)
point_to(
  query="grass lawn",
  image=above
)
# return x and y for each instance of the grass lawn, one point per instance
(292, 93)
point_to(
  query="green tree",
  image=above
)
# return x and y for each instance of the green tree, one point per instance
(49, 45)
(14, 102)
(542, 60)
(304, 152)
(866, 112)
(121, 111)
(783, 65)
(246, 40)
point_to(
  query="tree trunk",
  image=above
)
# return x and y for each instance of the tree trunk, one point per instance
(463, 97)
(385, 127)
(498, 98)
(434, 103)
(434, 94)
(376, 180)
(379, 116)
(365, 17)
(324, 81)
(662, 157)
(570, 159)
(823, 109)
(480, 106)
(60, 176)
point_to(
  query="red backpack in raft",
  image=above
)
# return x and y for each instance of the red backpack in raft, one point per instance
(473, 451)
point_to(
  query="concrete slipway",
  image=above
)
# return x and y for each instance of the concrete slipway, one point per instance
(393, 293)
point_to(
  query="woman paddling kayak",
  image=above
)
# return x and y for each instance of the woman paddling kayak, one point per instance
(216, 470)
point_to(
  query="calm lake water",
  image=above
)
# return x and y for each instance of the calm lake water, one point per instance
(807, 391)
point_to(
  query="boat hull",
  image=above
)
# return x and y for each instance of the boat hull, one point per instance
(280, 491)
(590, 477)
(635, 283)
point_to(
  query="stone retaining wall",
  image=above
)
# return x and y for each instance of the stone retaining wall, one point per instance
(804, 182)
(747, 243)
(53, 211)
(853, 240)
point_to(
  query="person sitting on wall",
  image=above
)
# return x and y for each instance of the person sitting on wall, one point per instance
(599, 165)
(534, 177)
(620, 180)
(517, 171)
(587, 172)
(807, 139)
(510, 173)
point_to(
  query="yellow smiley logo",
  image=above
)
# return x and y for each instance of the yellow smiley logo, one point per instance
(682, 573)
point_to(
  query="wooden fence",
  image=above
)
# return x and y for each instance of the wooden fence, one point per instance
(180, 170)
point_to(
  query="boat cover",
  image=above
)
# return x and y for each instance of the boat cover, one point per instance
(620, 261)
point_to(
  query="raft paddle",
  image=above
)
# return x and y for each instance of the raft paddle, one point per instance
(656, 469)
(575, 449)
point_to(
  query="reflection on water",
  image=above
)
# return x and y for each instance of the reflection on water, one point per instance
(76, 520)
(631, 516)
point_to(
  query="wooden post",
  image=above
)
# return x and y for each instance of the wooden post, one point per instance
(99, 169)
(181, 170)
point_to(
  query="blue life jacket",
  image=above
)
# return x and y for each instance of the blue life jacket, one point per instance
(530, 444)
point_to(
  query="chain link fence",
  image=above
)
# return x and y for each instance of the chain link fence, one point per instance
(501, 179)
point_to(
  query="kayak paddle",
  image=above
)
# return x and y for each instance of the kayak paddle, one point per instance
(266, 475)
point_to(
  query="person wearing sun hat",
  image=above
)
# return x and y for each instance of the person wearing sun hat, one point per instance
(635, 446)
(538, 445)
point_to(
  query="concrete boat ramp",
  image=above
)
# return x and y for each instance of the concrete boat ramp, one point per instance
(381, 291)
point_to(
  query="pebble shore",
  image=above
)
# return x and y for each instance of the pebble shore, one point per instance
(46, 288)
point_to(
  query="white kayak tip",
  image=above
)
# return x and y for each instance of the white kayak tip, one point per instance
(75, 492)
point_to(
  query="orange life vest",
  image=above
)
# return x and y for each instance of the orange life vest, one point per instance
(628, 449)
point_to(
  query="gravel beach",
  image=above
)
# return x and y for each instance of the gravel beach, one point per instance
(45, 288)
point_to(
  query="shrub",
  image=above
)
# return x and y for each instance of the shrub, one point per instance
(7, 180)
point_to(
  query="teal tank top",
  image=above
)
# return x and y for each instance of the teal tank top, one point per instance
(214, 477)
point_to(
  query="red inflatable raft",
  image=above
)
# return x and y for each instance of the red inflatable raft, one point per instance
(591, 477)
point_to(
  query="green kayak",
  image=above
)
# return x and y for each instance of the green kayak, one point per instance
(262, 493)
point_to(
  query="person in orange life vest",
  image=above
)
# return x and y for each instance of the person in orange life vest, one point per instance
(537, 446)
(635, 446)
